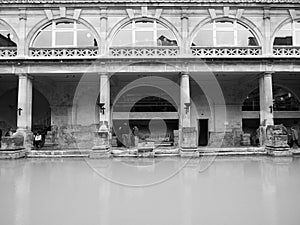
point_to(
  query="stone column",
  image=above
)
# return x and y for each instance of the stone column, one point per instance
(184, 31)
(266, 99)
(267, 50)
(22, 32)
(105, 97)
(185, 109)
(103, 30)
(29, 102)
(22, 111)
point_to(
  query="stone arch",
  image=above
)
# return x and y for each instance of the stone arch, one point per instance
(243, 21)
(126, 21)
(275, 85)
(38, 26)
(280, 25)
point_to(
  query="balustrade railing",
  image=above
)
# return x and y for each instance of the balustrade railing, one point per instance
(225, 51)
(162, 51)
(286, 51)
(63, 52)
(8, 52)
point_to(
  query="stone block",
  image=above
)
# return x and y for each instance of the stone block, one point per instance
(12, 154)
(13, 142)
(189, 153)
(96, 154)
(146, 146)
(188, 137)
(285, 153)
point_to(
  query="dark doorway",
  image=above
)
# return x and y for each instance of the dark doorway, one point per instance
(203, 132)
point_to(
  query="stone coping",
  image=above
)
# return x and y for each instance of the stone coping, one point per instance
(13, 154)
(147, 1)
(122, 152)
(159, 152)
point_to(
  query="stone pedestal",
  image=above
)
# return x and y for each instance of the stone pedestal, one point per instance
(276, 141)
(188, 138)
(12, 143)
(101, 147)
(101, 141)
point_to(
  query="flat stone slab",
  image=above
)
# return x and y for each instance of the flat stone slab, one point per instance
(13, 154)
(189, 153)
(57, 153)
(280, 153)
(295, 151)
(98, 154)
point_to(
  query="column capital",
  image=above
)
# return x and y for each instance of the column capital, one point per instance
(108, 74)
(24, 75)
(268, 73)
(103, 12)
(267, 13)
(184, 73)
(22, 14)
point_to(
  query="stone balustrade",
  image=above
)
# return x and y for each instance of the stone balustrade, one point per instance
(226, 51)
(161, 51)
(63, 52)
(287, 51)
(8, 52)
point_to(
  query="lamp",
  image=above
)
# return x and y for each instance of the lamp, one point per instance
(19, 111)
(101, 105)
(187, 107)
(271, 108)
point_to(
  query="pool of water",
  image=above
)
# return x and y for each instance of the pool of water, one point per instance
(209, 191)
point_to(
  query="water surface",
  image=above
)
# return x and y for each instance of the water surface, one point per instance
(232, 190)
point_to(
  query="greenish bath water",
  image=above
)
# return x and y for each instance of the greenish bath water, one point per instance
(232, 190)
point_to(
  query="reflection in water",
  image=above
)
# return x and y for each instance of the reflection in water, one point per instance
(231, 191)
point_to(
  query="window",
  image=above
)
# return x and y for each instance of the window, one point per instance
(64, 34)
(289, 34)
(224, 33)
(144, 33)
(7, 39)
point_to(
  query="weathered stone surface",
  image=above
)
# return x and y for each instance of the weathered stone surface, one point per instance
(189, 137)
(13, 142)
(189, 153)
(95, 154)
(12, 154)
(146, 146)
(280, 153)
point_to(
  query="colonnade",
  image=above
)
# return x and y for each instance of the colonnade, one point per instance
(24, 112)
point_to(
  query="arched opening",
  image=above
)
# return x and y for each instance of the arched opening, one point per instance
(7, 39)
(288, 35)
(285, 104)
(149, 110)
(283, 100)
(41, 112)
(144, 33)
(224, 33)
(64, 33)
